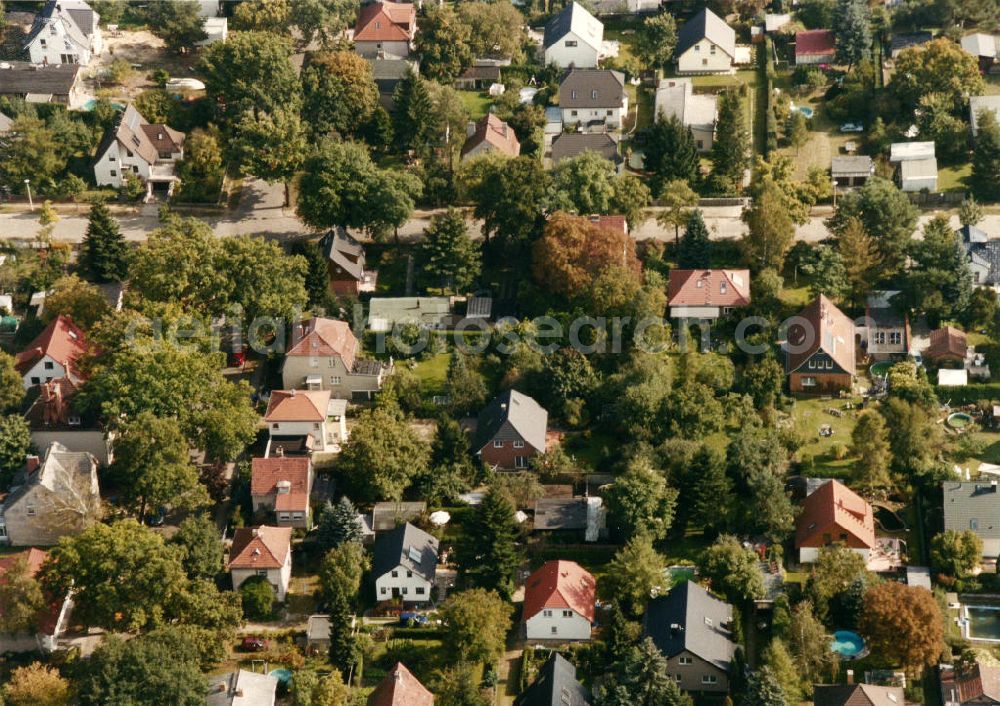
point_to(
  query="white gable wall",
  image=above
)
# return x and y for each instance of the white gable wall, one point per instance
(572, 50)
(407, 587)
(701, 59)
(44, 370)
(118, 159)
(54, 46)
(558, 624)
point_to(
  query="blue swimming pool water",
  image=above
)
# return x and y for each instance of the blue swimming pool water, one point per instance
(808, 112)
(282, 675)
(847, 643)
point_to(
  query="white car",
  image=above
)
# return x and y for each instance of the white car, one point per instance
(852, 127)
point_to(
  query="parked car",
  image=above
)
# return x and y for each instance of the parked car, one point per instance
(852, 127)
(254, 643)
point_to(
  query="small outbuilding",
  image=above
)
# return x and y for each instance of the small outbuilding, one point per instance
(849, 172)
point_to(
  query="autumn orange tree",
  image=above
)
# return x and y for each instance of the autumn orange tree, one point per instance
(904, 624)
(573, 251)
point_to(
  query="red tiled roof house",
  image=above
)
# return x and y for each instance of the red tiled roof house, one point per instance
(51, 620)
(491, 136)
(400, 688)
(385, 30)
(262, 551)
(814, 46)
(55, 353)
(834, 514)
(707, 294)
(282, 484)
(300, 413)
(326, 355)
(819, 350)
(559, 599)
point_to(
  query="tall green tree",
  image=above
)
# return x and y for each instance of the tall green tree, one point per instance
(443, 44)
(178, 24)
(763, 689)
(413, 119)
(476, 622)
(770, 230)
(956, 553)
(940, 66)
(489, 557)
(635, 572)
(733, 569)
(448, 253)
(510, 197)
(870, 443)
(495, 28)
(15, 442)
(852, 31)
(656, 39)
(731, 148)
(383, 455)
(970, 211)
(938, 282)
(986, 158)
(11, 385)
(641, 502)
(711, 500)
(861, 259)
(677, 199)
(338, 524)
(270, 145)
(339, 93)
(642, 679)
(21, 598)
(103, 253)
(197, 540)
(694, 249)
(887, 216)
(671, 153)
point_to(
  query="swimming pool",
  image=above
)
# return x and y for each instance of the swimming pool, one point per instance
(982, 622)
(847, 643)
(808, 112)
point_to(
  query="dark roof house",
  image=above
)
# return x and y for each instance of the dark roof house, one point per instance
(567, 145)
(974, 506)
(514, 411)
(555, 685)
(947, 343)
(406, 546)
(56, 83)
(706, 25)
(690, 619)
(592, 88)
(975, 684)
(982, 254)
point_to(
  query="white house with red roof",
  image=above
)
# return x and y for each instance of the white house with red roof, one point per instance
(559, 602)
(834, 514)
(707, 294)
(262, 551)
(54, 354)
(282, 484)
(385, 30)
(491, 135)
(303, 413)
(51, 620)
(325, 355)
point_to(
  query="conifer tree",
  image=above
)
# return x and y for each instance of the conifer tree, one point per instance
(670, 153)
(986, 158)
(490, 556)
(338, 524)
(695, 247)
(104, 253)
(731, 148)
(413, 117)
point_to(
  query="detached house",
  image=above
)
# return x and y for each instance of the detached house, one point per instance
(675, 98)
(491, 135)
(325, 355)
(814, 46)
(559, 600)
(50, 499)
(593, 97)
(37, 83)
(147, 151)
(705, 45)
(262, 551)
(886, 330)
(241, 688)
(555, 685)
(55, 353)
(345, 260)
(405, 564)
(573, 38)
(385, 30)
(819, 350)
(400, 688)
(834, 514)
(947, 345)
(857, 695)
(302, 413)
(282, 484)
(692, 630)
(510, 430)
(982, 254)
(974, 506)
(48, 410)
(707, 294)
(65, 32)
(975, 684)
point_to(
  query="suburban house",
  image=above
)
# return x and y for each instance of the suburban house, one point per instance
(50, 621)
(976, 684)
(301, 413)
(65, 32)
(917, 165)
(593, 97)
(707, 294)
(675, 98)
(982, 254)
(567, 145)
(345, 260)
(857, 695)
(983, 47)
(282, 484)
(35, 83)
(886, 334)
(389, 514)
(978, 104)
(318, 634)
(491, 135)
(54, 353)
(834, 514)
(819, 351)
(137, 147)
(585, 515)
(510, 430)
(400, 688)
(692, 630)
(48, 410)
(262, 551)
(242, 688)
(479, 77)
(705, 45)
(573, 38)
(388, 73)
(559, 600)
(814, 46)
(325, 355)
(974, 506)
(385, 30)
(902, 41)
(51, 498)
(387, 313)
(948, 345)
(849, 172)
(405, 564)
(555, 685)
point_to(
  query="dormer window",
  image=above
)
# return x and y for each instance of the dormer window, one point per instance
(593, 95)
(72, 334)
(574, 94)
(722, 288)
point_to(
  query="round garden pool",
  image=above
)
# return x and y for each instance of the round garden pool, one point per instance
(848, 644)
(959, 420)
(806, 111)
(880, 369)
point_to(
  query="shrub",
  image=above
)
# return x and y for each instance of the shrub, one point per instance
(258, 598)
(839, 451)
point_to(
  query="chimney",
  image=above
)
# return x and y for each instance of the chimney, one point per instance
(850, 676)
(254, 531)
(32, 463)
(292, 393)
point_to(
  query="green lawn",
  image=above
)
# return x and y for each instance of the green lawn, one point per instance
(808, 416)
(477, 102)
(625, 39)
(432, 373)
(954, 178)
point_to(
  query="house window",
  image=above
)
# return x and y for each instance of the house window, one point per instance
(404, 590)
(572, 94)
(610, 113)
(296, 515)
(35, 380)
(49, 365)
(711, 50)
(709, 679)
(973, 523)
(409, 574)
(111, 158)
(316, 426)
(704, 62)
(262, 572)
(518, 444)
(571, 43)
(697, 47)
(593, 95)
(896, 338)
(975, 277)
(880, 338)
(723, 288)
(497, 444)
(313, 362)
(701, 144)
(42, 42)
(685, 660)
(573, 113)
(808, 381)
(383, 590)
(395, 574)
(708, 622)
(275, 426)
(128, 152)
(420, 590)
(812, 364)
(31, 510)
(555, 630)
(334, 379)
(546, 613)
(520, 462)
(283, 516)
(677, 678)
(829, 365)
(114, 173)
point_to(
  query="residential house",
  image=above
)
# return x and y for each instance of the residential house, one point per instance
(976, 684)
(345, 260)
(144, 150)
(917, 165)
(325, 355)
(573, 38)
(814, 46)
(983, 47)
(819, 350)
(35, 83)
(242, 688)
(301, 413)
(50, 499)
(387, 313)
(707, 294)
(886, 333)
(705, 45)
(555, 685)
(54, 353)
(318, 634)
(48, 409)
(593, 97)
(388, 73)
(389, 514)
(65, 32)
(586, 515)
(974, 506)
(50, 621)
(977, 104)
(692, 630)
(982, 254)
(262, 551)
(400, 688)
(834, 514)
(626, 7)
(559, 599)
(902, 42)
(947, 345)
(478, 77)
(491, 135)
(567, 145)
(282, 484)
(510, 430)
(857, 695)
(405, 564)
(385, 30)
(209, 8)
(675, 98)
(849, 172)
